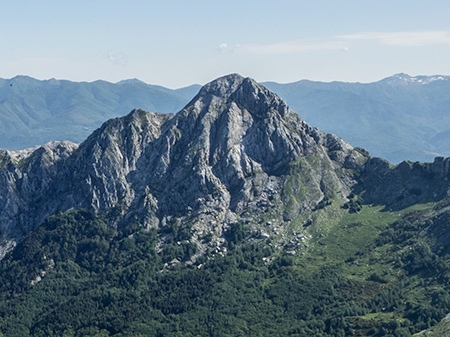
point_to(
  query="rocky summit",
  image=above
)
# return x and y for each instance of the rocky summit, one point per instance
(235, 154)
(225, 158)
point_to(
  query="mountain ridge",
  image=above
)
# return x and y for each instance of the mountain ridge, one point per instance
(221, 150)
(63, 110)
(394, 118)
(233, 147)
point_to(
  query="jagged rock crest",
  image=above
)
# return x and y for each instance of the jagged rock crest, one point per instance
(227, 156)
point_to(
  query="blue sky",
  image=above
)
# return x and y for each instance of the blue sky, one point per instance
(177, 43)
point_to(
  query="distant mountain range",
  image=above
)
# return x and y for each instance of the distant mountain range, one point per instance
(33, 112)
(398, 118)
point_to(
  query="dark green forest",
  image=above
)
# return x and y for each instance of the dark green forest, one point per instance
(77, 275)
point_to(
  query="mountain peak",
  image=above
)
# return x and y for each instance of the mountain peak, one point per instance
(131, 81)
(228, 85)
(227, 153)
(244, 92)
(223, 86)
(405, 79)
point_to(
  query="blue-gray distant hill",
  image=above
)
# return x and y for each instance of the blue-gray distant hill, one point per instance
(33, 112)
(398, 118)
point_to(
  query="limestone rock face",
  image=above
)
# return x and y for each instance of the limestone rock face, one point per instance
(233, 153)
(26, 180)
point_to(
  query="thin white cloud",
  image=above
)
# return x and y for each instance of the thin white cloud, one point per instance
(294, 47)
(343, 42)
(117, 58)
(402, 39)
(226, 48)
(223, 47)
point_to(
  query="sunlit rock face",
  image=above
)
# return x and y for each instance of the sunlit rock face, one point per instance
(234, 152)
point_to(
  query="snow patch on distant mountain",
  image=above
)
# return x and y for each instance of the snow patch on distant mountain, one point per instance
(405, 78)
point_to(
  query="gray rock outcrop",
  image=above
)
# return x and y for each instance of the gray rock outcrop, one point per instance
(233, 153)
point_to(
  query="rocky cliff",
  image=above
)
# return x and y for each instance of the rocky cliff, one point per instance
(235, 154)
(228, 155)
